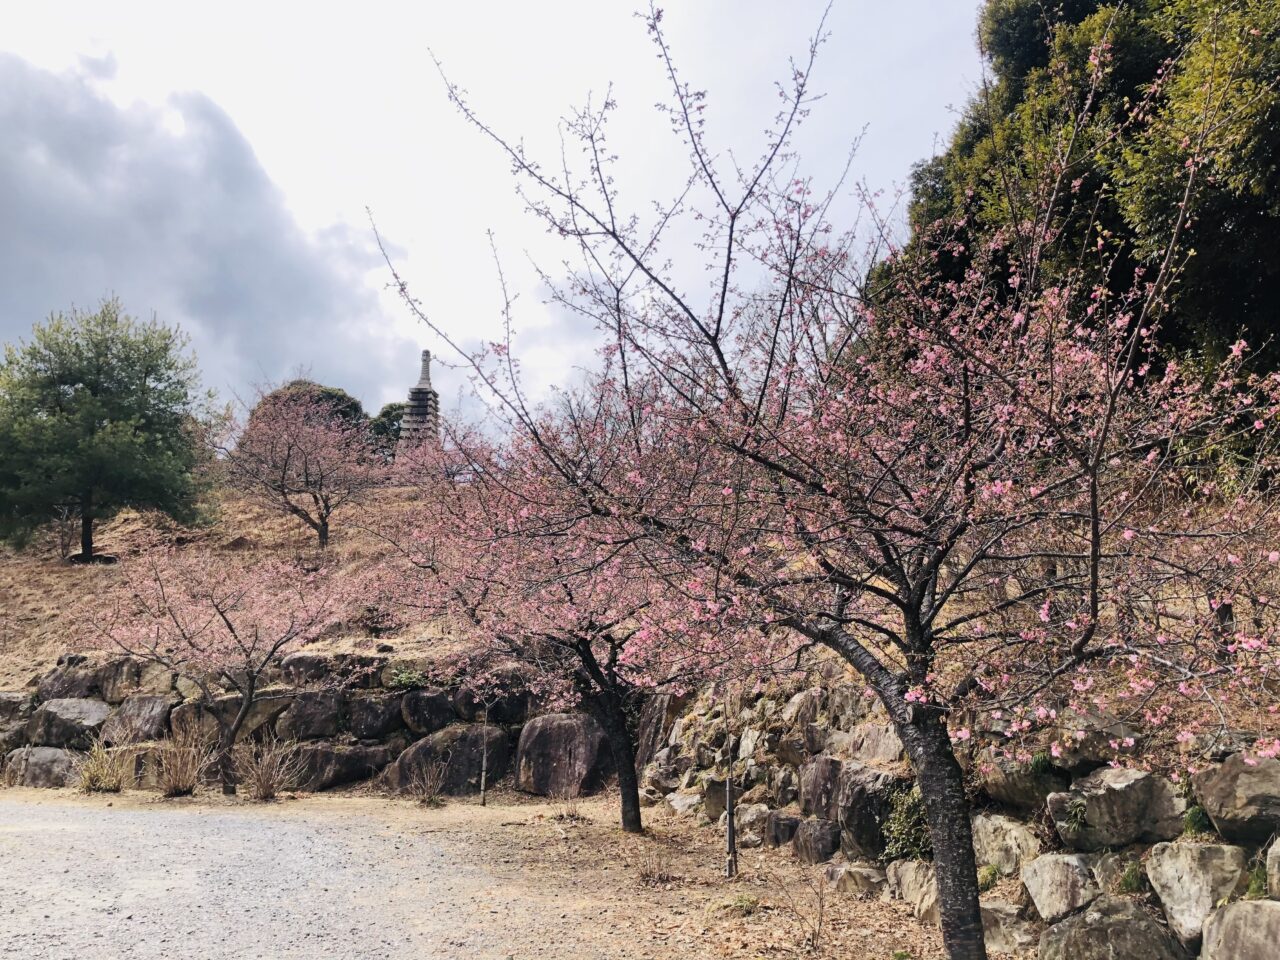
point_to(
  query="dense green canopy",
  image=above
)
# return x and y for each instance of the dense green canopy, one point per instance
(97, 412)
(1160, 83)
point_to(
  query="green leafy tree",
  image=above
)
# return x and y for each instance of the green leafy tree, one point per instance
(385, 427)
(338, 400)
(1118, 101)
(98, 411)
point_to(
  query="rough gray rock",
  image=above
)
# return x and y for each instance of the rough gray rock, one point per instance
(863, 805)
(41, 767)
(780, 829)
(328, 765)
(16, 707)
(142, 717)
(1004, 929)
(351, 670)
(1245, 930)
(462, 748)
(684, 804)
(1191, 878)
(656, 720)
(262, 714)
(372, 716)
(1112, 928)
(1059, 884)
(713, 798)
(1003, 842)
(858, 879)
(1022, 786)
(914, 881)
(874, 743)
(313, 715)
(1114, 807)
(508, 701)
(1242, 800)
(70, 722)
(74, 678)
(427, 710)
(12, 736)
(1094, 738)
(562, 755)
(128, 677)
(816, 840)
(820, 787)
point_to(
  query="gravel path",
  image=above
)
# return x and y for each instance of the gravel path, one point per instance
(147, 880)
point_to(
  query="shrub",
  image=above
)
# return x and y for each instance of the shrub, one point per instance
(1133, 880)
(988, 877)
(181, 761)
(427, 784)
(268, 766)
(906, 829)
(1196, 821)
(655, 869)
(103, 769)
(1257, 888)
(404, 679)
(742, 905)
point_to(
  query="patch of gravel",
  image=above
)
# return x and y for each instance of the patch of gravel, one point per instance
(153, 880)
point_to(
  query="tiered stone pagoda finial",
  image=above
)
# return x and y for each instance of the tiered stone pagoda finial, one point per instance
(421, 421)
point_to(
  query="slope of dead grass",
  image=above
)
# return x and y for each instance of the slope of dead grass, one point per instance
(47, 605)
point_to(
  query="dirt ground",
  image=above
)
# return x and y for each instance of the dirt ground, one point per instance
(360, 877)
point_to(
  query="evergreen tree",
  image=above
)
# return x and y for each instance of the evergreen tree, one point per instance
(97, 413)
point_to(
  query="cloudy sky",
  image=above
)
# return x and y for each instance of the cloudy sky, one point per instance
(212, 164)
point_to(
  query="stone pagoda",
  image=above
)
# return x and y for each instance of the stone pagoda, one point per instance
(421, 421)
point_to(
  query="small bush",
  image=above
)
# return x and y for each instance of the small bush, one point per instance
(104, 770)
(1196, 821)
(906, 829)
(427, 784)
(1077, 814)
(402, 679)
(1040, 764)
(268, 767)
(1257, 889)
(181, 761)
(743, 905)
(1133, 880)
(988, 877)
(654, 868)
(567, 810)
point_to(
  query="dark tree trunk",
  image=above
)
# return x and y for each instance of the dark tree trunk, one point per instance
(614, 720)
(947, 809)
(229, 732)
(86, 535)
(322, 533)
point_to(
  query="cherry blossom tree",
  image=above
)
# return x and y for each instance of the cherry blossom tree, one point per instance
(222, 623)
(993, 496)
(514, 560)
(298, 454)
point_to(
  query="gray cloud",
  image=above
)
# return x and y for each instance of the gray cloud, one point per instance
(171, 210)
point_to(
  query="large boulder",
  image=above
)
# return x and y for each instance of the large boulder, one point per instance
(1114, 807)
(1113, 928)
(1242, 797)
(138, 718)
(372, 716)
(507, 706)
(874, 743)
(656, 720)
(780, 828)
(1092, 738)
(427, 710)
(803, 708)
(464, 749)
(41, 767)
(16, 707)
(262, 715)
(327, 765)
(1245, 930)
(816, 840)
(1004, 929)
(1191, 879)
(1022, 786)
(858, 879)
(128, 677)
(350, 670)
(1060, 884)
(1273, 871)
(70, 722)
(73, 678)
(863, 804)
(915, 882)
(1003, 842)
(12, 736)
(562, 755)
(313, 715)
(820, 787)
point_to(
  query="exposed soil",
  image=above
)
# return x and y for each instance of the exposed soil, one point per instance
(364, 877)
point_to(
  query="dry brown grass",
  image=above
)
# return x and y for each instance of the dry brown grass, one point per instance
(268, 767)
